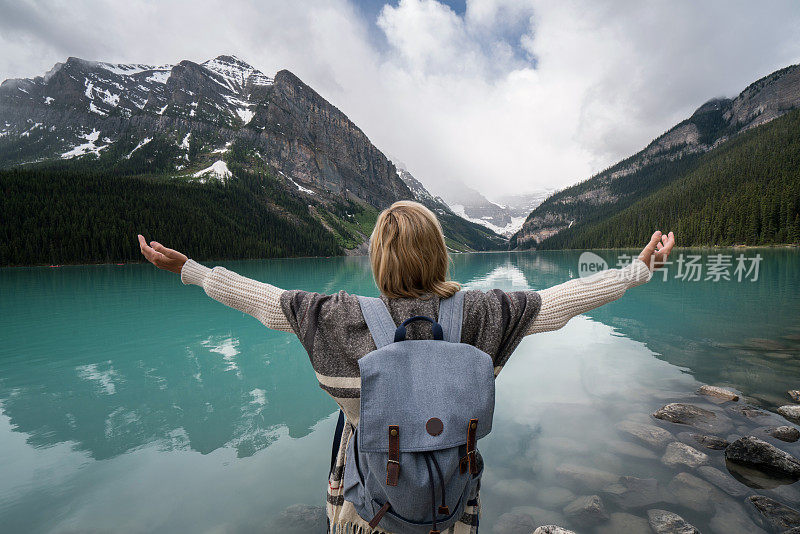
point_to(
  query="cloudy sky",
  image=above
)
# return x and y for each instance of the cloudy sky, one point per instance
(503, 95)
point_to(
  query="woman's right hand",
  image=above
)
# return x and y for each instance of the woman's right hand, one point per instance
(655, 253)
(161, 256)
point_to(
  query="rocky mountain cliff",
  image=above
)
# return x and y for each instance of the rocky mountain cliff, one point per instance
(664, 159)
(84, 107)
(206, 122)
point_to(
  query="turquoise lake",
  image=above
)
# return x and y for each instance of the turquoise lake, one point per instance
(132, 403)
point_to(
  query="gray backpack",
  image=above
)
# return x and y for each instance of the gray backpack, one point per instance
(412, 464)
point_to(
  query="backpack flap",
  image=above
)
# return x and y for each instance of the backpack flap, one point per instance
(430, 390)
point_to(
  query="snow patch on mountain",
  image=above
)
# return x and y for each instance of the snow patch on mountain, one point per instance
(185, 146)
(219, 169)
(125, 70)
(90, 147)
(223, 149)
(298, 186)
(234, 73)
(27, 133)
(159, 76)
(108, 97)
(242, 108)
(507, 230)
(245, 114)
(140, 145)
(185, 143)
(95, 109)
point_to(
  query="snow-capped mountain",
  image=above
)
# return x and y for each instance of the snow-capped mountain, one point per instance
(200, 122)
(445, 213)
(520, 205)
(505, 217)
(108, 89)
(191, 114)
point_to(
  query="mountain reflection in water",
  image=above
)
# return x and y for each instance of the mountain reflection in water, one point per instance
(131, 403)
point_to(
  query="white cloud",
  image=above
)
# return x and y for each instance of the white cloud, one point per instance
(513, 95)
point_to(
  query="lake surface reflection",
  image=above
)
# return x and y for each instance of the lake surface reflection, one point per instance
(132, 403)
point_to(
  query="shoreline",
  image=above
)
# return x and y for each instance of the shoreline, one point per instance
(525, 251)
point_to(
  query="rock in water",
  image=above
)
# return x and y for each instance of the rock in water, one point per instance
(688, 414)
(664, 522)
(784, 433)
(514, 523)
(632, 492)
(513, 487)
(730, 517)
(587, 478)
(586, 511)
(554, 497)
(757, 453)
(750, 412)
(648, 434)
(710, 442)
(693, 493)
(791, 412)
(627, 448)
(540, 515)
(756, 478)
(794, 394)
(774, 514)
(552, 529)
(720, 393)
(723, 481)
(678, 453)
(625, 523)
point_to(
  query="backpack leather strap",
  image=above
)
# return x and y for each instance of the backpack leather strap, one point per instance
(378, 319)
(393, 465)
(451, 314)
(472, 430)
(379, 515)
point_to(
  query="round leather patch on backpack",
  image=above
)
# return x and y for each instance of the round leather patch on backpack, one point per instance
(434, 426)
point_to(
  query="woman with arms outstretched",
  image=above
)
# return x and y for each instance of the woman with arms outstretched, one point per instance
(410, 265)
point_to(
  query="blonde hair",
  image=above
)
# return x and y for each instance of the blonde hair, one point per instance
(408, 254)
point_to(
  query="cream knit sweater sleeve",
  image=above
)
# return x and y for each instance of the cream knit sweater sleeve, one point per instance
(559, 303)
(563, 302)
(258, 299)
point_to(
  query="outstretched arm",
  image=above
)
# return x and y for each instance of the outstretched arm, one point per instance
(252, 297)
(562, 302)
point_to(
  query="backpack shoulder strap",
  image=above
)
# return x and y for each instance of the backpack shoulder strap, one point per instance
(451, 314)
(379, 320)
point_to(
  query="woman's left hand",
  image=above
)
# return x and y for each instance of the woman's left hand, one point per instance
(655, 253)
